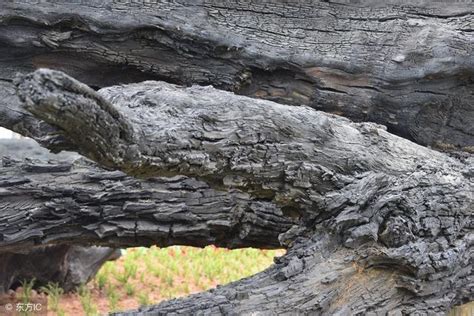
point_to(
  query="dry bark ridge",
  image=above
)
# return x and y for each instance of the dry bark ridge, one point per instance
(54, 206)
(408, 66)
(48, 203)
(67, 265)
(383, 224)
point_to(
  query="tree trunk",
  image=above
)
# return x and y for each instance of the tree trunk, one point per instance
(383, 224)
(67, 265)
(50, 203)
(407, 66)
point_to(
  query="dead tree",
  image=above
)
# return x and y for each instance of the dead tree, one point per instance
(68, 265)
(373, 223)
(84, 205)
(407, 66)
(379, 224)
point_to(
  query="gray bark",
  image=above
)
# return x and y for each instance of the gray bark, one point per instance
(47, 203)
(408, 66)
(383, 225)
(52, 207)
(14, 118)
(67, 265)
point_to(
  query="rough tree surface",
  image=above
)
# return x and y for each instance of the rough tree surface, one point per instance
(373, 223)
(380, 224)
(67, 265)
(84, 204)
(407, 65)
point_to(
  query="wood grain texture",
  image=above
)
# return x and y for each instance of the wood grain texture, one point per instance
(385, 223)
(408, 66)
(46, 203)
(65, 264)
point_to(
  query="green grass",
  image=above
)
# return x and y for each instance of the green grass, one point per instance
(149, 275)
(144, 299)
(113, 298)
(54, 293)
(86, 301)
(27, 287)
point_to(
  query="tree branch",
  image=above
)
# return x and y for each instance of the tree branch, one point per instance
(401, 207)
(407, 66)
(17, 119)
(46, 203)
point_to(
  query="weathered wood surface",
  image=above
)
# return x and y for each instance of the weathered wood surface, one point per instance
(313, 280)
(383, 224)
(67, 265)
(47, 203)
(407, 65)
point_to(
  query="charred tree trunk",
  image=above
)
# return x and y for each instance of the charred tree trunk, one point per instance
(407, 66)
(52, 209)
(48, 203)
(65, 264)
(377, 224)
(374, 223)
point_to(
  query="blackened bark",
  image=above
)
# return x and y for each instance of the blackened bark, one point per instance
(408, 66)
(47, 203)
(16, 119)
(67, 265)
(378, 216)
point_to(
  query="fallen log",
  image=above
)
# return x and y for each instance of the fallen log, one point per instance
(407, 66)
(384, 225)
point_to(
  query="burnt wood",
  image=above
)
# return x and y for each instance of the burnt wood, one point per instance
(383, 225)
(408, 66)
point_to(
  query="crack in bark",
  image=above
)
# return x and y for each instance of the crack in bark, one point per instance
(355, 186)
(210, 57)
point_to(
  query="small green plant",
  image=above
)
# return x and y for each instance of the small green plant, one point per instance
(129, 289)
(131, 268)
(169, 280)
(113, 298)
(143, 299)
(27, 287)
(54, 292)
(86, 301)
(102, 279)
(129, 271)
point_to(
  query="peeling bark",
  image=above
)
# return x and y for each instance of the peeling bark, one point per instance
(384, 225)
(407, 66)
